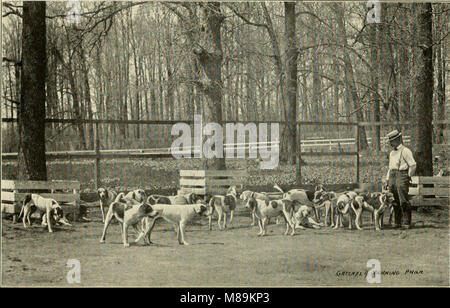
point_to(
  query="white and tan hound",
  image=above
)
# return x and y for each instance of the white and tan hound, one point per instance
(107, 196)
(264, 209)
(377, 203)
(247, 194)
(179, 215)
(223, 205)
(48, 206)
(303, 218)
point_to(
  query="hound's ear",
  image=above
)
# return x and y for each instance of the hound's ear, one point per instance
(193, 198)
(141, 207)
(207, 197)
(106, 194)
(252, 203)
(201, 209)
(384, 198)
(27, 199)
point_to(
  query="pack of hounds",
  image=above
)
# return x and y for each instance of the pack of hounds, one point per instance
(298, 208)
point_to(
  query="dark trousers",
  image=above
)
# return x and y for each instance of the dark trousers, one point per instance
(399, 186)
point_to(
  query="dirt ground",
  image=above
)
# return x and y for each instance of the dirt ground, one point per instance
(236, 257)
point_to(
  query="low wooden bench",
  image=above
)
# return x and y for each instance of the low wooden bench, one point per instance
(65, 192)
(430, 191)
(210, 181)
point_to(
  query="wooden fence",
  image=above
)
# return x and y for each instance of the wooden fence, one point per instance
(97, 154)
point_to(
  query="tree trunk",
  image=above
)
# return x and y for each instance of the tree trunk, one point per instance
(392, 86)
(316, 102)
(423, 100)
(31, 161)
(440, 59)
(404, 91)
(279, 71)
(350, 80)
(52, 95)
(76, 105)
(87, 95)
(291, 78)
(374, 29)
(210, 57)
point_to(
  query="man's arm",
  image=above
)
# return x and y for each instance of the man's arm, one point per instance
(412, 170)
(410, 161)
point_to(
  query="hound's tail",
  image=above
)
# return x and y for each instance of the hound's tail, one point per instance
(212, 206)
(120, 197)
(278, 188)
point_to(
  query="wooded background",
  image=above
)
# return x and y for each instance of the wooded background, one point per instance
(250, 61)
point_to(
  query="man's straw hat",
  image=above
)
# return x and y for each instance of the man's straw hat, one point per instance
(394, 135)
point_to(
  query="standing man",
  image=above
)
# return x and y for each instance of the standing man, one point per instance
(401, 167)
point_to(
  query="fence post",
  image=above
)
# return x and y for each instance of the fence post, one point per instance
(357, 151)
(97, 157)
(298, 154)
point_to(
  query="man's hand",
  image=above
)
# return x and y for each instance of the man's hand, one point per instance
(409, 180)
(385, 185)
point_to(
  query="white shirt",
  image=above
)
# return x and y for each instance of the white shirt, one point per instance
(400, 159)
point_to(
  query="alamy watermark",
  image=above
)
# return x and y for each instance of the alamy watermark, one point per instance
(374, 274)
(374, 14)
(74, 274)
(214, 146)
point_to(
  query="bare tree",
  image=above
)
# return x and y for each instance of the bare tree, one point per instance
(291, 78)
(374, 30)
(423, 98)
(209, 54)
(32, 162)
(349, 76)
